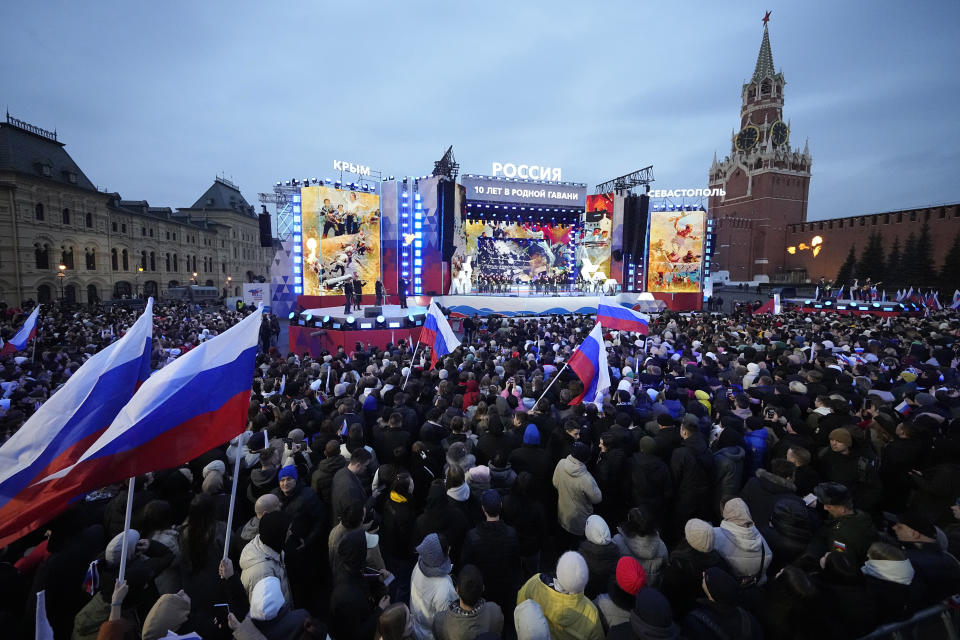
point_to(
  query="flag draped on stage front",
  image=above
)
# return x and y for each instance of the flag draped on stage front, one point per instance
(589, 362)
(437, 333)
(619, 318)
(66, 425)
(27, 332)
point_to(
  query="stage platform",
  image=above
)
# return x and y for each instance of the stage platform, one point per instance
(512, 305)
(850, 307)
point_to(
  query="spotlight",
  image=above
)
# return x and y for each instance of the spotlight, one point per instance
(381, 320)
(326, 321)
(308, 320)
(411, 322)
(293, 316)
(337, 184)
(351, 320)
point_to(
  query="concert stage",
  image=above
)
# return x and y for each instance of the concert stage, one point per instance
(849, 307)
(326, 328)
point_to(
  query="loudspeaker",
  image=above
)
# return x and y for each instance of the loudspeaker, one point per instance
(372, 312)
(266, 233)
(446, 211)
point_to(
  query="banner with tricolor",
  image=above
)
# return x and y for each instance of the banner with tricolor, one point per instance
(26, 333)
(437, 334)
(589, 363)
(64, 427)
(615, 316)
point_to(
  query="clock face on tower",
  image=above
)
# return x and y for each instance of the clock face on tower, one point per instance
(779, 133)
(747, 137)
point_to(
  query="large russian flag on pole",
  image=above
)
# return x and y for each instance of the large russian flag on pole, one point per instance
(437, 333)
(65, 426)
(615, 316)
(192, 405)
(27, 333)
(589, 362)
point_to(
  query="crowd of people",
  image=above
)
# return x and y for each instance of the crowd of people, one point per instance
(747, 476)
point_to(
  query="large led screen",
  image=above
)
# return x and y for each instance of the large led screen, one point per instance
(341, 239)
(594, 250)
(520, 250)
(675, 260)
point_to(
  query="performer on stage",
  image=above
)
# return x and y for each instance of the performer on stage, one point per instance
(358, 290)
(378, 287)
(348, 295)
(403, 293)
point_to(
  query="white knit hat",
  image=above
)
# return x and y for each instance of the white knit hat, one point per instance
(572, 572)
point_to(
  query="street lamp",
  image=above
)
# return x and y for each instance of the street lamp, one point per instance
(229, 279)
(61, 276)
(136, 291)
(195, 281)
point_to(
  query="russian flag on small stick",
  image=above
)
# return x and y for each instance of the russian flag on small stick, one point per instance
(192, 405)
(27, 333)
(619, 318)
(65, 426)
(437, 334)
(589, 362)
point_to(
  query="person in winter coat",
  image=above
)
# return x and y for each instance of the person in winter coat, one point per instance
(651, 618)
(443, 518)
(849, 610)
(691, 468)
(569, 613)
(494, 548)
(261, 557)
(789, 533)
(740, 543)
(533, 459)
(502, 475)
(847, 529)
(858, 473)
(683, 574)
(460, 496)
(622, 588)
(431, 588)
(789, 607)
(651, 485)
(529, 622)
(759, 440)
(523, 512)
(577, 490)
(322, 479)
(611, 476)
(939, 570)
(357, 600)
(600, 553)
(892, 583)
(168, 614)
(272, 615)
(638, 537)
(727, 475)
(767, 488)
(719, 615)
(396, 533)
(469, 615)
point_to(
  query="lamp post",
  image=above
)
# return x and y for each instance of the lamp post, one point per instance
(136, 291)
(61, 276)
(195, 281)
(229, 279)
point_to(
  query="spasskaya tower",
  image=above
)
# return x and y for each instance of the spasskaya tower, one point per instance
(765, 178)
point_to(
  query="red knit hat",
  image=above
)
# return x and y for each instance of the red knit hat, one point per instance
(630, 575)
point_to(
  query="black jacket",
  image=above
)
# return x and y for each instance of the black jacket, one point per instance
(708, 616)
(683, 576)
(322, 479)
(494, 548)
(764, 491)
(651, 485)
(347, 489)
(939, 571)
(602, 563)
(691, 465)
(790, 530)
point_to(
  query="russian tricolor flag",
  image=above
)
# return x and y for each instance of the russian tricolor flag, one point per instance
(27, 333)
(589, 362)
(66, 425)
(614, 316)
(192, 405)
(437, 333)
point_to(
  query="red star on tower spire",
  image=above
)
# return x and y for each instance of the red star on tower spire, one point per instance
(766, 18)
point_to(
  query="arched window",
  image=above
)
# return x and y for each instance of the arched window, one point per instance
(66, 257)
(126, 260)
(113, 259)
(89, 220)
(66, 216)
(91, 256)
(765, 88)
(41, 254)
(153, 261)
(93, 296)
(38, 211)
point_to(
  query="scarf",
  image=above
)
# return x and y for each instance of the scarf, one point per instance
(899, 571)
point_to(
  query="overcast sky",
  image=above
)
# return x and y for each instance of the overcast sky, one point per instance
(155, 99)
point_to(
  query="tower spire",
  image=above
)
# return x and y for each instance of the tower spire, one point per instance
(764, 66)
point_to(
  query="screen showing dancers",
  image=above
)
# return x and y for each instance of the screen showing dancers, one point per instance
(341, 239)
(675, 262)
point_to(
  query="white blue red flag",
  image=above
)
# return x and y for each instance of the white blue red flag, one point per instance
(437, 334)
(933, 301)
(619, 318)
(27, 333)
(589, 362)
(839, 294)
(192, 405)
(66, 425)
(956, 300)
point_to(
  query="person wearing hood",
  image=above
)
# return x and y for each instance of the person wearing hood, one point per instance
(600, 553)
(444, 518)
(651, 618)
(460, 496)
(168, 614)
(638, 537)
(533, 459)
(769, 488)
(719, 615)
(263, 556)
(272, 615)
(529, 622)
(322, 479)
(469, 615)
(727, 472)
(472, 395)
(740, 543)
(892, 582)
(789, 532)
(353, 616)
(569, 613)
(622, 587)
(494, 547)
(577, 491)
(263, 479)
(431, 588)
(684, 571)
(691, 466)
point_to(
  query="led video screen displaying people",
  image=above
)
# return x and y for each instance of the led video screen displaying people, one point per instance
(675, 260)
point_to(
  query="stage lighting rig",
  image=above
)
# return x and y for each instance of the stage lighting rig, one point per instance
(625, 183)
(446, 167)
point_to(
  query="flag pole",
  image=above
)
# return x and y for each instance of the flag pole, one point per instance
(126, 528)
(412, 357)
(555, 378)
(233, 499)
(33, 356)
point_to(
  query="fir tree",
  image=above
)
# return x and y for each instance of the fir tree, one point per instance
(908, 270)
(950, 273)
(926, 271)
(845, 275)
(872, 263)
(892, 277)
